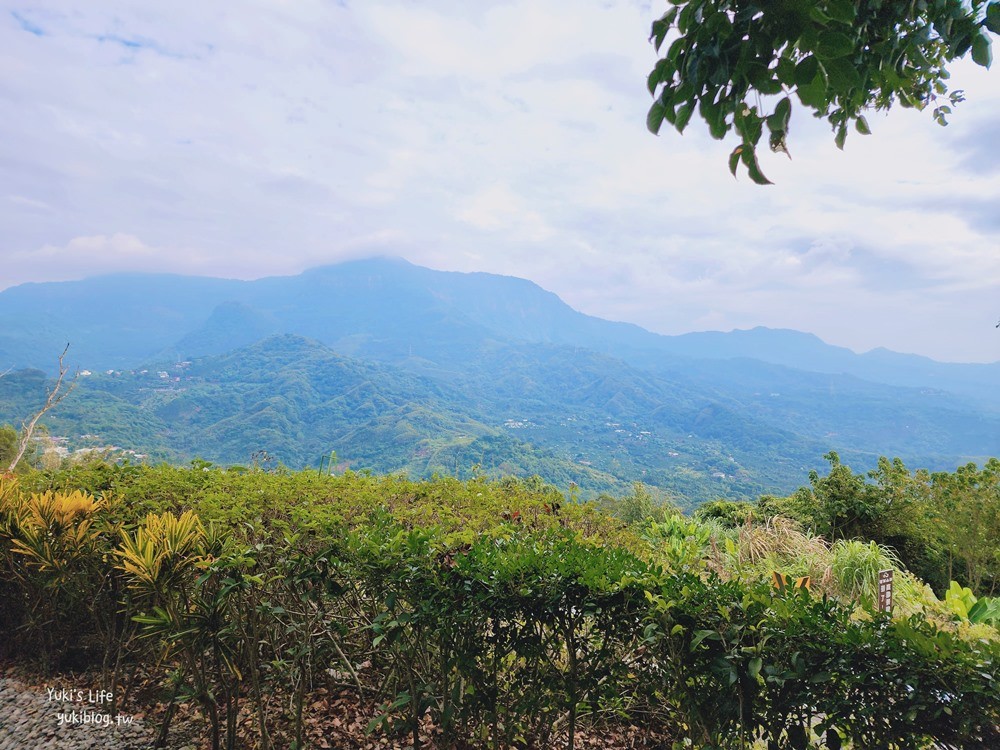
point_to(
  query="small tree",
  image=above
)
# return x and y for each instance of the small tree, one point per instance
(59, 390)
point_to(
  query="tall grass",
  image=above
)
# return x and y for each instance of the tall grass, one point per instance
(855, 566)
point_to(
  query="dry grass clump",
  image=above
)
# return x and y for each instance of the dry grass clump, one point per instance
(776, 538)
(847, 569)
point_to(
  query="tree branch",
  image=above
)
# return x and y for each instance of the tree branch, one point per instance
(56, 394)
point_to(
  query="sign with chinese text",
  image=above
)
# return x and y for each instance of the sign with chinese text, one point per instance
(885, 591)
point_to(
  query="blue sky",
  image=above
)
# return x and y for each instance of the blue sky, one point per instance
(267, 137)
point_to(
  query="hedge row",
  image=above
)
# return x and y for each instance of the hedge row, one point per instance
(520, 637)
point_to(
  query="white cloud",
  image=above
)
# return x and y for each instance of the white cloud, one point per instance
(497, 208)
(87, 255)
(100, 248)
(496, 136)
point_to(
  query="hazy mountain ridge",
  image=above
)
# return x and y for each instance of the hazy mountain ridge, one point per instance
(409, 368)
(391, 310)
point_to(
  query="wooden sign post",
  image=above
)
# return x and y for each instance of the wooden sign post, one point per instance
(885, 591)
(783, 582)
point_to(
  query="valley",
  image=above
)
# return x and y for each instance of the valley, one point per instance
(398, 368)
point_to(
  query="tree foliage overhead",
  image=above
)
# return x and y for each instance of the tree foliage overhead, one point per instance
(742, 63)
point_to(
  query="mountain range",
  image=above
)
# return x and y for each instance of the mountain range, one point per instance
(398, 367)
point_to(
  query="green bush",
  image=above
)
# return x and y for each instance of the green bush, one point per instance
(738, 663)
(498, 614)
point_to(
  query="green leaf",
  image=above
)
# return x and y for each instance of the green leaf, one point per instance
(754, 666)
(814, 95)
(683, 116)
(978, 611)
(653, 80)
(718, 128)
(669, 113)
(817, 15)
(749, 157)
(841, 137)
(675, 49)
(844, 11)
(843, 75)
(833, 44)
(777, 142)
(783, 112)
(734, 160)
(765, 82)
(806, 70)
(655, 117)
(749, 124)
(701, 635)
(982, 53)
(403, 699)
(785, 70)
(660, 28)
(861, 124)
(992, 21)
(960, 44)
(714, 116)
(687, 16)
(375, 723)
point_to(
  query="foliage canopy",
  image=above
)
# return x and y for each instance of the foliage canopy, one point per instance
(740, 63)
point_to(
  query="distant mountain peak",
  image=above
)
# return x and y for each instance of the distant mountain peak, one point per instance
(387, 308)
(374, 262)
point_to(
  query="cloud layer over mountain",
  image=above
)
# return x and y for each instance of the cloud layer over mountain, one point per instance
(503, 137)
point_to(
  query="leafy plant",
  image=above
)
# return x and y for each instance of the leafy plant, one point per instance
(966, 606)
(745, 664)
(55, 543)
(188, 579)
(856, 565)
(484, 614)
(681, 544)
(740, 65)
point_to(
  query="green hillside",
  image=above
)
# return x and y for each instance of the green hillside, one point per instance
(571, 416)
(389, 310)
(401, 368)
(295, 401)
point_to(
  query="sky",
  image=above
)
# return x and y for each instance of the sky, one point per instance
(269, 136)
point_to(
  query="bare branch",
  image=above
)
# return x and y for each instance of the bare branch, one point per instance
(56, 394)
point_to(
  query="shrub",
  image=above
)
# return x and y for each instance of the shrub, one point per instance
(739, 664)
(493, 614)
(54, 545)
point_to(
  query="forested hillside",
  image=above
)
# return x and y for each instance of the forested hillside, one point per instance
(400, 368)
(572, 416)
